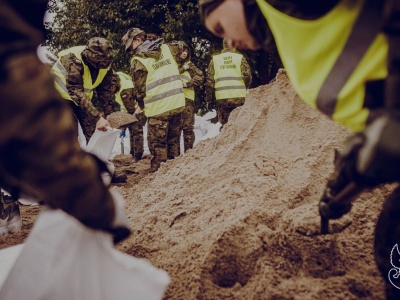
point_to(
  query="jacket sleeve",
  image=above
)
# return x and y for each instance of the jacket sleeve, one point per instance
(392, 30)
(139, 78)
(106, 95)
(246, 73)
(196, 74)
(39, 150)
(74, 83)
(209, 89)
(128, 100)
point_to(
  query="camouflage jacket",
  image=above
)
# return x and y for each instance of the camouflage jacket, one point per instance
(196, 74)
(39, 150)
(105, 94)
(139, 71)
(210, 82)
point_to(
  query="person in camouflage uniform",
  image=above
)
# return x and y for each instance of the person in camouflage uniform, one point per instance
(39, 151)
(71, 74)
(192, 77)
(124, 96)
(158, 91)
(234, 91)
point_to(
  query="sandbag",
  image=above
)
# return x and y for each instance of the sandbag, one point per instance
(64, 260)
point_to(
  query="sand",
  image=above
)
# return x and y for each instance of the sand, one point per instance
(237, 218)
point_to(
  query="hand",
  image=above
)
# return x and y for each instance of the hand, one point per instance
(378, 157)
(120, 227)
(102, 124)
(186, 67)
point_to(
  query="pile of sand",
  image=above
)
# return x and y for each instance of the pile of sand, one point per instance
(226, 219)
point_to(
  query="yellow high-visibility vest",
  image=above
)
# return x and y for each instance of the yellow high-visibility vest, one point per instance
(126, 83)
(164, 88)
(188, 91)
(310, 50)
(59, 74)
(228, 76)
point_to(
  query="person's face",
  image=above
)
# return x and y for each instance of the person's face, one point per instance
(228, 21)
(184, 54)
(136, 43)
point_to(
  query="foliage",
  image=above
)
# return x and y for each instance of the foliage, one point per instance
(76, 21)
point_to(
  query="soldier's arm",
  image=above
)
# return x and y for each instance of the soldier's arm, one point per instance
(196, 74)
(209, 88)
(106, 94)
(246, 72)
(139, 78)
(74, 84)
(128, 100)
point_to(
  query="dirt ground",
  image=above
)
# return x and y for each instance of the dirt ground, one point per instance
(237, 217)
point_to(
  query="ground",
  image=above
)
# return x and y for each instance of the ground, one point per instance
(236, 217)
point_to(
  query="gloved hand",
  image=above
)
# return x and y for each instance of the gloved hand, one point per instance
(120, 227)
(376, 152)
(368, 159)
(186, 67)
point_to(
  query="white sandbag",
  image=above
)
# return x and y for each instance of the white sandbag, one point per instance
(64, 260)
(8, 256)
(102, 143)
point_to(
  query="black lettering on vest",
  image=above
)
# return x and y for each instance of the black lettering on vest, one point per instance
(161, 64)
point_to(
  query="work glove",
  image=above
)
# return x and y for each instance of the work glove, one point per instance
(375, 152)
(120, 229)
(368, 159)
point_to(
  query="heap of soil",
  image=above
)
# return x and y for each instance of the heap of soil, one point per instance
(236, 217)
(120, 119)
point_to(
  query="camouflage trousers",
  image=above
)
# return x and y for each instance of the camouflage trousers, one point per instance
(163, 137)
(225, 107)
(387, 235)
(188, 125)
(86, 120)
(136, 140)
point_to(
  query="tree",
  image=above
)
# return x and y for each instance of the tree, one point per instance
(76, 21)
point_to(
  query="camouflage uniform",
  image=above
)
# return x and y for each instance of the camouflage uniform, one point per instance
(39, 150)
(84, 109)
(188, 118)
(226, 106)
(163, 134)
(135, 130)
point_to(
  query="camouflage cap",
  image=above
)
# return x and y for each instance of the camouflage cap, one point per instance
(207, 6)
(129, 36)
(99, 52)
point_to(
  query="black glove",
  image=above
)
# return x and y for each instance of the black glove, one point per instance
(378, 153)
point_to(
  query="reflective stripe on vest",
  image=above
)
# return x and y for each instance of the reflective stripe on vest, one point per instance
(164, 89)
(228, 76)
(311, 51)
(189, 92)
(60, 73)
(126, 83)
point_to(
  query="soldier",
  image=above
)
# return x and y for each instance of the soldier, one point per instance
(192, 77)
(125, 99)
(158, 90)
(228, 78)
(342, 57)
(39, 151)
(78, 72)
